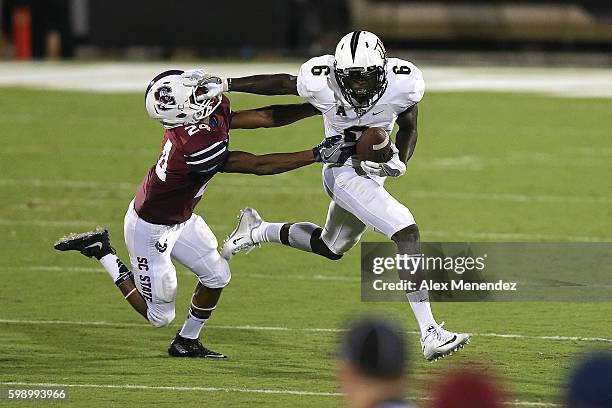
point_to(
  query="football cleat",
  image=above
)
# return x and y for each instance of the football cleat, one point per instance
(439, 342)
(183, 347)
(241, 238)
(92, 244)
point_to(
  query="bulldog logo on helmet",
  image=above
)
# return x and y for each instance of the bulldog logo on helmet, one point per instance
(163, 95)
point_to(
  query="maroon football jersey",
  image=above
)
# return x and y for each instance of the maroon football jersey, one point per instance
(191, 155)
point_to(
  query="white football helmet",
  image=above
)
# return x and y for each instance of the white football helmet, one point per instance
(172, 97)
(360, 67)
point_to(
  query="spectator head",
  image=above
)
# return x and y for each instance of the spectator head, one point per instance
(590, 385)
(467, 389)
(372, 365)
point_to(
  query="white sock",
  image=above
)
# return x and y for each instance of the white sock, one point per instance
(192, 327)
(419, 302)
(267, 232)
(111, 265)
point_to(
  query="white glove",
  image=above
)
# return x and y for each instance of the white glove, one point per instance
(194, 77)
(393, 168)
(214, 85)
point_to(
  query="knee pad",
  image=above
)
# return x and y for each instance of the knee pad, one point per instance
(213, 271)
(161, 314)
(168, 287)
(319, 247)
(205, 235)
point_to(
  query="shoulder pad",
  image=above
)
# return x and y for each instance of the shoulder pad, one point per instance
(405, 81)
(313, 75)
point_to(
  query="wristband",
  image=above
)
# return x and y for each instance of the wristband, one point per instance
(316, 152)
(227, 83)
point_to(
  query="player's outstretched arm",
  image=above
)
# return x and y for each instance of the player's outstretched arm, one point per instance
(330, 150)
(266, 164)
(272, 84)
(407, 134)
(272, 116)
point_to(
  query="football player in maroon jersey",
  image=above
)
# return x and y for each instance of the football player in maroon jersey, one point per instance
(160, 225)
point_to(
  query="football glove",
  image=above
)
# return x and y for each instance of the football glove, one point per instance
(333, 150)
(194, 77)
(214, 85)
(393, 168)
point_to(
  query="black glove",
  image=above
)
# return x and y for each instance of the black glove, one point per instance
(333, 150)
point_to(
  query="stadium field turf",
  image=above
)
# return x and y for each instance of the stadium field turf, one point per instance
(488, 167)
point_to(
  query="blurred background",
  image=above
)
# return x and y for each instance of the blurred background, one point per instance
(571, 32)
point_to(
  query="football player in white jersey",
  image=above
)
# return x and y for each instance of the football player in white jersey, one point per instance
(357, 88)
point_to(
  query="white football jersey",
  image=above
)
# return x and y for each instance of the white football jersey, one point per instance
(316, 83)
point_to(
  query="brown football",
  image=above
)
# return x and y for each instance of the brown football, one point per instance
(374, 145)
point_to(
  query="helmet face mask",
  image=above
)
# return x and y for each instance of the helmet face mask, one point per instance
(362, 88)
(173, 103)
(360, 68)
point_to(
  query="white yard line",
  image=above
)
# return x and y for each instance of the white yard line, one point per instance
(85, 224)
(84, 184)
(227, 390)
(170, 388)
(510, 197)
(41, 204)
(510, 236)
(50, 224)
(445, 235)
(243, 275)
(410, 195)
(291, 329)
(276, 188)
(44, 268)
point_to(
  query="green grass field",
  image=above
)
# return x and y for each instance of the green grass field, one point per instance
(488, 167)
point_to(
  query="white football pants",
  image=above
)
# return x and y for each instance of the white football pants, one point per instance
(151, 248)
(358, 202)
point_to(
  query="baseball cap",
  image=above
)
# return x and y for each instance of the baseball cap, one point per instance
(375, 347)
